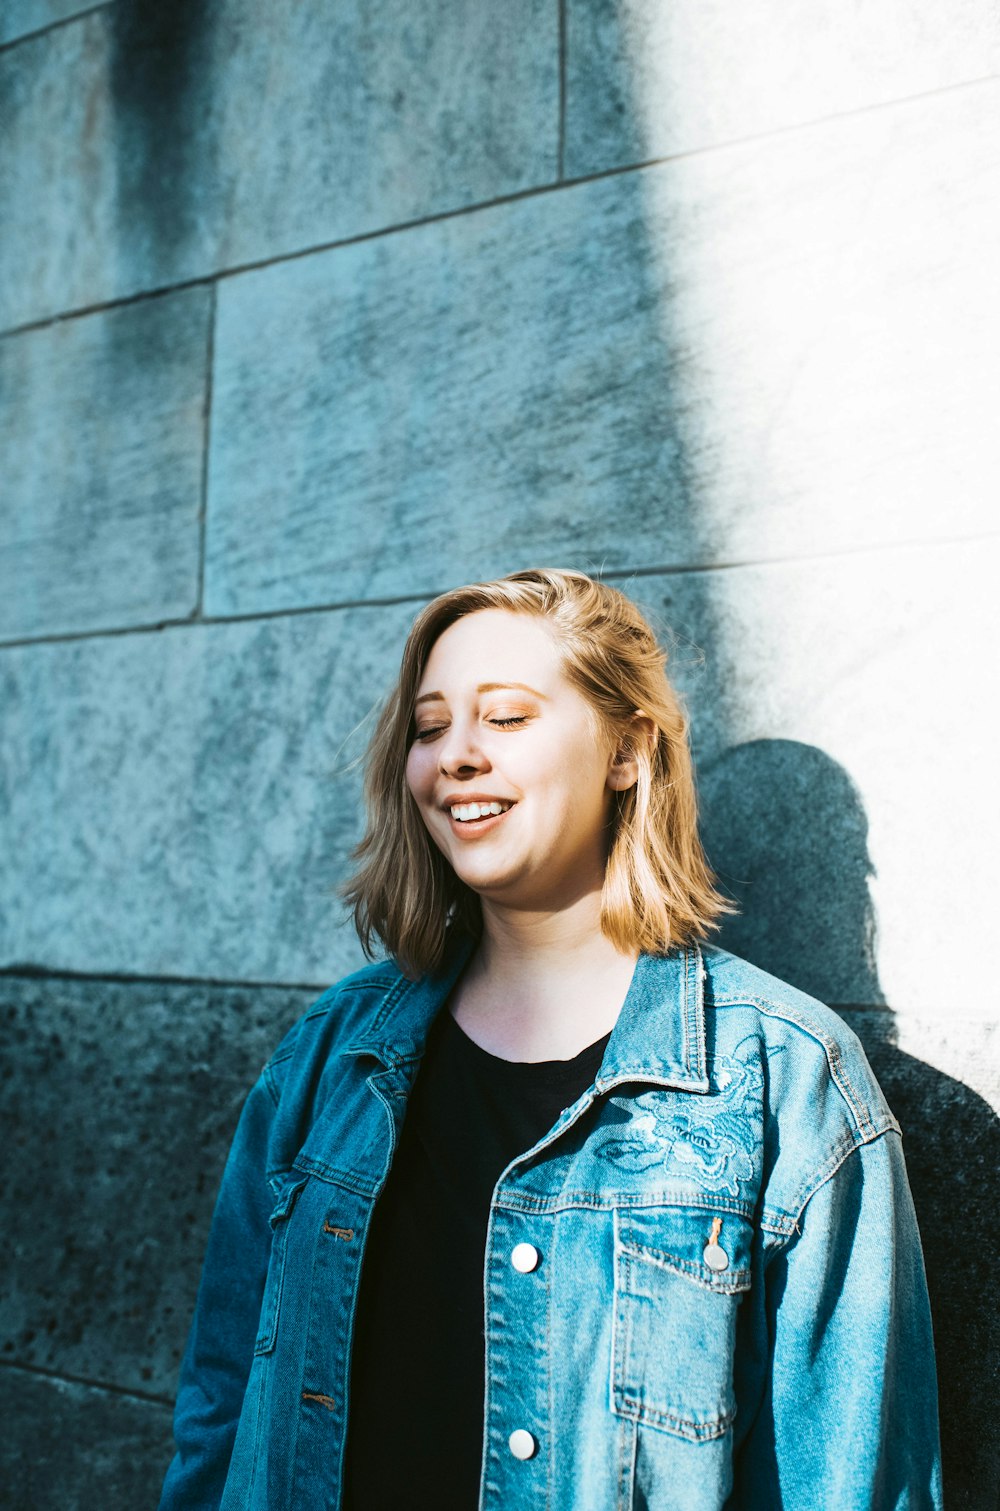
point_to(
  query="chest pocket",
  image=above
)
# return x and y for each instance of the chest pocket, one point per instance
(271, 1306)
(680, 1273)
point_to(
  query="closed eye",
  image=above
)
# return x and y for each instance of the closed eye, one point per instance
(502, 722)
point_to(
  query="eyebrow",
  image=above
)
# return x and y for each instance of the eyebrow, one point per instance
(485, 687)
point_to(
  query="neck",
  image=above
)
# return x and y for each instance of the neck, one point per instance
(520, 945)
(542, 985)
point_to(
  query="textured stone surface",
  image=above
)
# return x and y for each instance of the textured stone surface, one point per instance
(174, 798)
(117, 1105)
(102, 435)
(780, 349)
(183, 800)
(21, 17)
(646, 80)
(201, 137)
(57, 173)
(71, 1447)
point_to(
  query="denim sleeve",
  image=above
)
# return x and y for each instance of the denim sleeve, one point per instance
(220, 1343)
(849, 1411)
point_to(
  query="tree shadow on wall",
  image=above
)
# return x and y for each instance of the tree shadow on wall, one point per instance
(786, 833)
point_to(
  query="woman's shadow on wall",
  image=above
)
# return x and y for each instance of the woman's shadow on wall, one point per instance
(786, 833)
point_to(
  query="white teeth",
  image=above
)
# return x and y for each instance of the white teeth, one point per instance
(463, 812)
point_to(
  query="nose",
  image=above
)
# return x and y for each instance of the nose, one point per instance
(459, 750)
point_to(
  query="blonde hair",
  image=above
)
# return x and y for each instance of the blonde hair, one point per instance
(658, 889)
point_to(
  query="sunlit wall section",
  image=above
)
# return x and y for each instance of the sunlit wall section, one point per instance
(822, 203)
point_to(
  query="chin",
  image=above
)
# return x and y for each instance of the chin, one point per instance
(489, 883)
(480, 881)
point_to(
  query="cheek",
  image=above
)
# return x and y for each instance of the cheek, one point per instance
(419, 772)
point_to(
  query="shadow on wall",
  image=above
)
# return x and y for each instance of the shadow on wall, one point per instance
(161, 86)
(786, 832)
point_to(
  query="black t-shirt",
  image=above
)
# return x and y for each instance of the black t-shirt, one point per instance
(415, 1434)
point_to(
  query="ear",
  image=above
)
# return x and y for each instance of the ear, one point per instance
(623, 771)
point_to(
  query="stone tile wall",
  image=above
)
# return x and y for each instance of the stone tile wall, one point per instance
(307, 313)
(102, 432)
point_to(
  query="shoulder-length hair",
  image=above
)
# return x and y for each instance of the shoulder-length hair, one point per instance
(658, 892)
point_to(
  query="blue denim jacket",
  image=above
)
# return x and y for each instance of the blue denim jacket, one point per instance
(729, 1308)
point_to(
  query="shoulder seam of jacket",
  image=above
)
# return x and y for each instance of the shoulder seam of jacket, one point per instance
(860, 1111)
(319, 1009)
(268, 1080)
(788, 1226)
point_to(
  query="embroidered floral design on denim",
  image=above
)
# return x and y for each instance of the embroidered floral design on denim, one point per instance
(708, 1142)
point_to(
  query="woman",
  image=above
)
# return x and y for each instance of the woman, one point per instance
(557, 1206)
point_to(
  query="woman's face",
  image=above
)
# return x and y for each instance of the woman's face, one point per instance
(499, 726)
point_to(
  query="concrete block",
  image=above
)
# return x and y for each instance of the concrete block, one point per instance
(76, 1446)
(118, 1102)
(951, 1138)
(131, 164)
(58, 173)
(181, 803)
(21, 17)
(778, 350)
(646, 80)
(102, 433)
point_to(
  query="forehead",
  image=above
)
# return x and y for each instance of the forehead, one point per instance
(494, 645)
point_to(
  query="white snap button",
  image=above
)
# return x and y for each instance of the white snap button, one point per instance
(716, 1258)
(522, 1445)
(524, 1257)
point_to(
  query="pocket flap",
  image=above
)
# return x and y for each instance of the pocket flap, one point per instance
(286, 1201)
(271, 1302)
(707, 1244)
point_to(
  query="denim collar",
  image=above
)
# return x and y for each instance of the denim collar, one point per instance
(660, 1032)
(659, 1036)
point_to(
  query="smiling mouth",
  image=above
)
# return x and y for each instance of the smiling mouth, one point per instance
(465, 813)
(476, 818)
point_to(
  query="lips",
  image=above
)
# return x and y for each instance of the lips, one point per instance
(465, 813)
(468, 828)
(464, 799)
